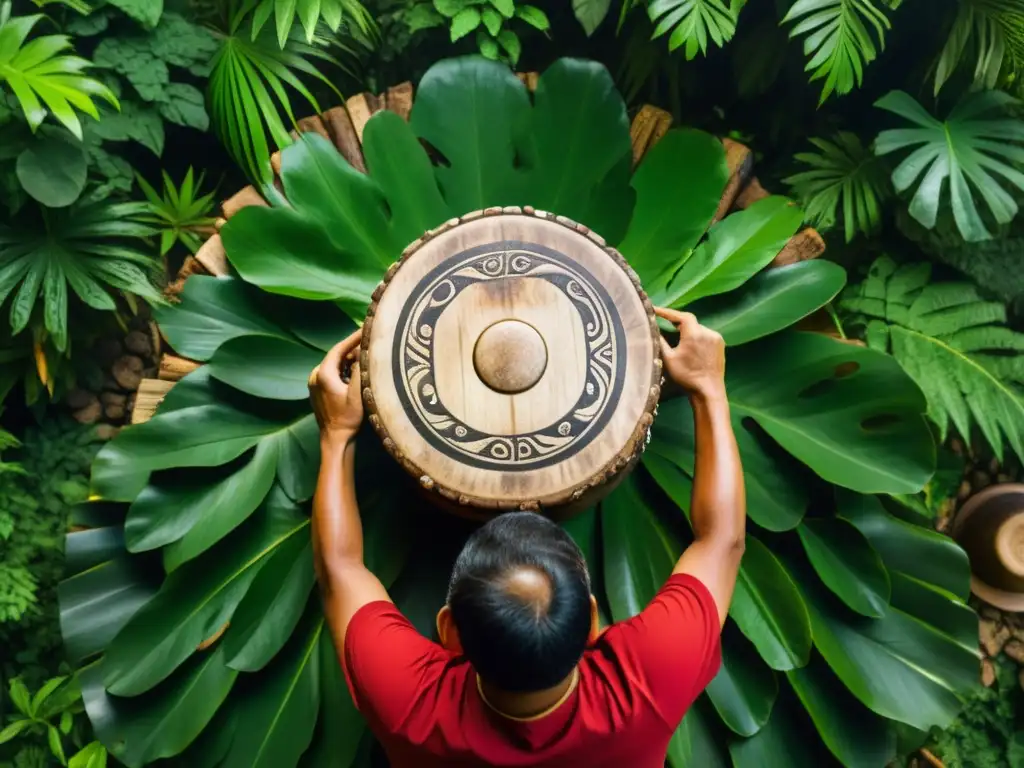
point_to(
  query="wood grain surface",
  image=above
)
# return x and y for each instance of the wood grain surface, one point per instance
(592, 376)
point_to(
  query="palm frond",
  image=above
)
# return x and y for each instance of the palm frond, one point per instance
(249, 97)
(310, 13)
(693, 22)
(838, 40)
(179, 214)
(993, 32)
(43, 80)
(844, 173)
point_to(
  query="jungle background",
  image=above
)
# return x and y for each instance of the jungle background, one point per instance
(123, 124)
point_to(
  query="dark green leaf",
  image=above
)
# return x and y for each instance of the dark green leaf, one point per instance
(194, 603)
(771, 300)
(670, 217)
(590, 13)
(147, 12)
(744, 689)
(283, 372)
(847, 564)
(214, 310)
(52, 168)
(271, 609)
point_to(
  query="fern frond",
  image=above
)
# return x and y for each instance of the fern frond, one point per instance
(953, 343)
(844, 173)
(838, 40)
(17, 593)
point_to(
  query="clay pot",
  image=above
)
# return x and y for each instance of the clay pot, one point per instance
(990, 528)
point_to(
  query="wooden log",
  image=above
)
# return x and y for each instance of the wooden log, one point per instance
(339, 123)
(740, 162)
(750, 194)
(646, 130)
(242, 198)
(399, 99)
(313, 124)
(804, 245)
(529, 79)
(494, 422)
(191, 266)
(151, 393)
(213, 257)
(361, 108)
(174, 368)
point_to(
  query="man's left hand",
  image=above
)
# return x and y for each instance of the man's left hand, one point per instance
(338, 403)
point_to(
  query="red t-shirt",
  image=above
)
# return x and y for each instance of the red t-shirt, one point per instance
(635, 684)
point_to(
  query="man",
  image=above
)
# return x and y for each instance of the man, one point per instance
(522, 676)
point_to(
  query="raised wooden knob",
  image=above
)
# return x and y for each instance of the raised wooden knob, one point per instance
(510, 356)
(511, 361)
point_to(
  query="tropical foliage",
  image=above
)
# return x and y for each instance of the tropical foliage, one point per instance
(191, 610)
(953, 342)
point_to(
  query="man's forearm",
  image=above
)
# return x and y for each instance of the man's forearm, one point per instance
(337, 529)
(718, 510)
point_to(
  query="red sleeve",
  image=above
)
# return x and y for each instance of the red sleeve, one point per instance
(672, 648)
(388, 664)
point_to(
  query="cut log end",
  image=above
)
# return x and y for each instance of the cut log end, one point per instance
(151, 393)
(648, 127)
(804, 245)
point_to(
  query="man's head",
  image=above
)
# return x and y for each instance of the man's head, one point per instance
(519, 603)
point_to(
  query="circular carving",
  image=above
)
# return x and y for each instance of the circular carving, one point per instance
(510, 356)
(512, 359)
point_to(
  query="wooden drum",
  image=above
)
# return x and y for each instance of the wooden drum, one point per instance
(510, 360)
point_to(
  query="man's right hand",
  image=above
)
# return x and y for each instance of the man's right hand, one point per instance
(697, 362)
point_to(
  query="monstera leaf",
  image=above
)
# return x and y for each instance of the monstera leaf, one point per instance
(953, 342)
(192, 604)
(972, 152)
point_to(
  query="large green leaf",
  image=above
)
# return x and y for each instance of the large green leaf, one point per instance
(695, 742)
(341, 729)
(898, 666)
(744, 689)
(918, 552)
(194, 603)
(771, 300)
(966, 154)
(272, 607)
(766, 605)
(285, 366)
(163, 722)
(856, 736)
(397, 163)
(52, 168)
(768, 609)
(580, 135)
(282, 712)
(849, 413)
(776, 485)
(212, 311)
(783, 742)
(847, 564)
(954, 344)
(670, 217)
(476, 114)
(639, 552)
(737, 248)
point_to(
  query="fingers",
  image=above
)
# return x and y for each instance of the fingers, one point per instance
(330, 368)
(666, 348)
(684, 321)
(313, 376)
(356, 390)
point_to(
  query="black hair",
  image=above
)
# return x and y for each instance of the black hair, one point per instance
(521, 639)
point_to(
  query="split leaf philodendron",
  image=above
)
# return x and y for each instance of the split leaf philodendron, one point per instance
(190, 604)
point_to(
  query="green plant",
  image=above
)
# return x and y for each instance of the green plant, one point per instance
(179, 214)
(44, 81)
(844, 173)
(310, 13)
(993, 30)
(489, 19)
(847, 616)
(51, 711)
(953, 342)
(692, 22)
(247, 90)
(87, 246)
(964, 154)
(837, 39)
